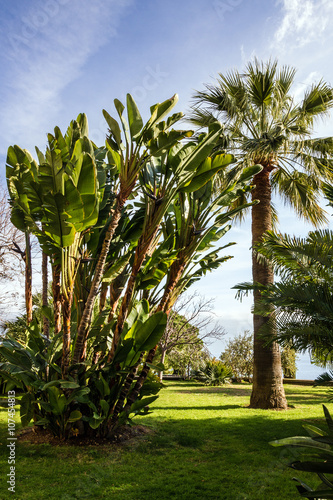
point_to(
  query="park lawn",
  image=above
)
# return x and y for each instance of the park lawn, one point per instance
(205, 444)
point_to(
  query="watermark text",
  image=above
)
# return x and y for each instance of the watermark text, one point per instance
(11, 441)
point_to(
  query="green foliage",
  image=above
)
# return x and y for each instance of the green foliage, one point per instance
(263, 124)
(317, 450)
(58, 404)
(17, 329)
(304, 295)
(288, 361)
(34, 369)
(138, 213)
(238, 354)
(186, 359)
(214, 373)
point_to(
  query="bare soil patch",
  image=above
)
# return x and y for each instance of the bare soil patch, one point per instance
(125, 434)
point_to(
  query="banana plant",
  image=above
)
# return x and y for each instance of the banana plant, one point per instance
(129, 147)
(58, 199)
(172, 168)
(18, 220)
(34, 369)
(138, 214)
(194, 222)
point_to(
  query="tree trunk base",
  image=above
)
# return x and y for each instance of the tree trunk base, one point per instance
(275, 401)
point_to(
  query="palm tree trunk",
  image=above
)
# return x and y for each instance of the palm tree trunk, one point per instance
(28, 278)
(46, 323)
(267, 391)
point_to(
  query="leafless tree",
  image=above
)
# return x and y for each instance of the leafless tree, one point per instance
(12, 242)
(15, 261)
(191, 322)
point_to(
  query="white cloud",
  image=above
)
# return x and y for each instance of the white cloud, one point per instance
(313, 77)
(46, 49)
(304, 22)
(246, 57)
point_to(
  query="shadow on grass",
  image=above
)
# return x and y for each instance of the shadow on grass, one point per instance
(192, 458)
(205, 407)
(241, 390)
(181, 383)
(236, 391)
(203, 457)
(232, 455)
(308, 400)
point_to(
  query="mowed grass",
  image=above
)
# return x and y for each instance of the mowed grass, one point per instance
(205, 444)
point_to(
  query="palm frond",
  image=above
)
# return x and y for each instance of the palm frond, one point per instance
(300, 258)
(328, 192)
(261, 79)
(325, 378)
(317, 101)
(201, 117)
(303, 299)
(264, 125)
(300, 191)
(285, 79)
(320, 145)
(232, 86)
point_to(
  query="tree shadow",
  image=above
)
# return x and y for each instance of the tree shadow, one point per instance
(313, 399)
(229, 456)
(238, 391)
(205, 407)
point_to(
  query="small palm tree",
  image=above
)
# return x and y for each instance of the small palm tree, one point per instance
(263, 125)
(304, 295)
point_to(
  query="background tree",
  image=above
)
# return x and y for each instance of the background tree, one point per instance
(264, 125)
(10, 239)
(288, 361)
(187, 358)
(189, 323)
(238, 354)
(15, 259)
(17, 328)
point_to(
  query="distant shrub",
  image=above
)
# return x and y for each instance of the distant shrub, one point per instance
(214, 373)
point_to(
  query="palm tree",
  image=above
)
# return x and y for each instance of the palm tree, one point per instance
(263, 125)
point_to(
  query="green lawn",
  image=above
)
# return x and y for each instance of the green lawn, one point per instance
(206, 445)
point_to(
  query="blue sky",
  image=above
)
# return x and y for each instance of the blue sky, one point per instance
(62, 57)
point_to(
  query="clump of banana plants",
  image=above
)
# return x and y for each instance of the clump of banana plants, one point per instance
(128, 226)
(317, 458)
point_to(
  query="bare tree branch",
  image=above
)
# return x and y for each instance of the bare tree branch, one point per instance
(11, 241)
(190, 323)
